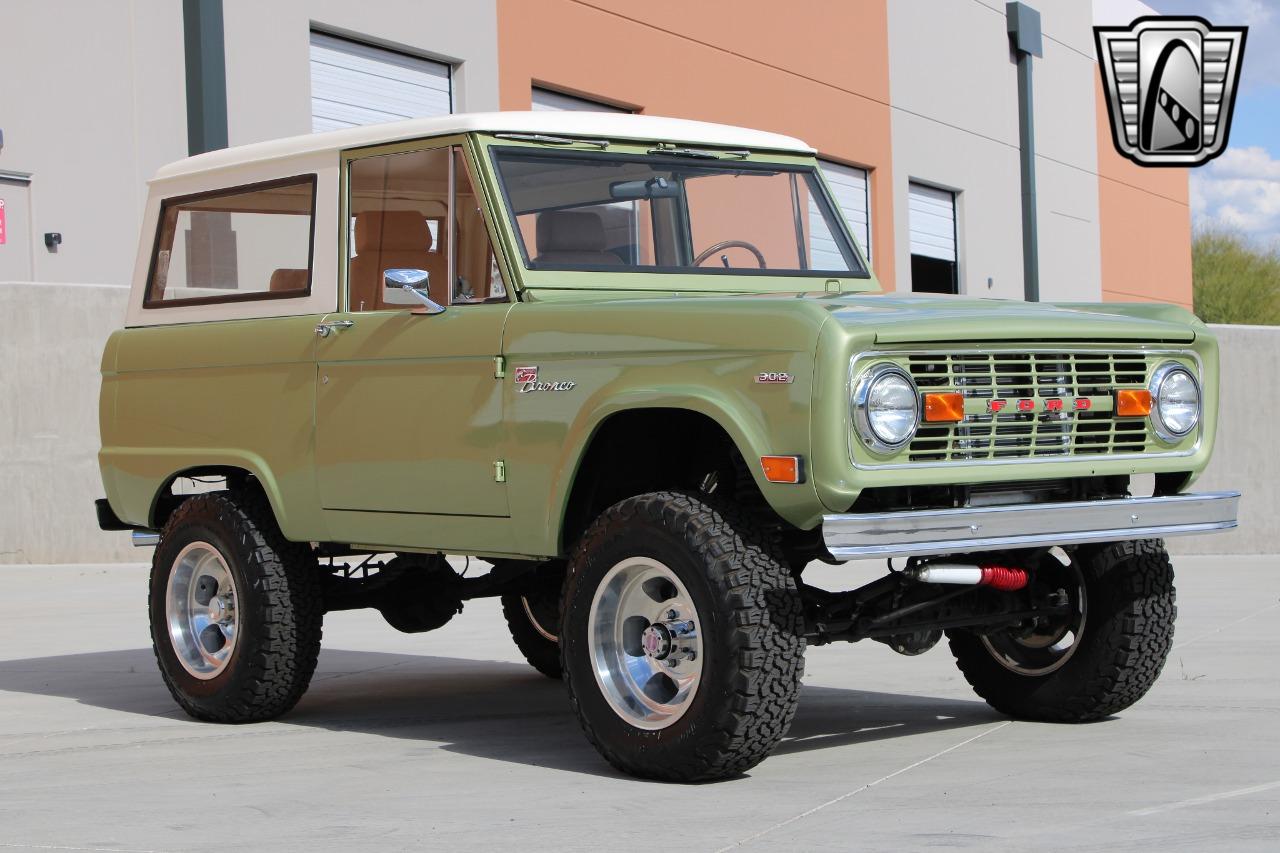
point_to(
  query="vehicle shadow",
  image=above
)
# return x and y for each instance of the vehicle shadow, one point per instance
(490, 709)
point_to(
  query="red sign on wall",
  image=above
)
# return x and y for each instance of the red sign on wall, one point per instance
(1, 222)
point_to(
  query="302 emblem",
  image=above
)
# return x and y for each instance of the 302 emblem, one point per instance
(527, 382)
(770, 378)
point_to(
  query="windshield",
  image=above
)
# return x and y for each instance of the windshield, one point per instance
(633, 213)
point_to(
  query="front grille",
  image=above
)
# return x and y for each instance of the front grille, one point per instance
(1025, 435)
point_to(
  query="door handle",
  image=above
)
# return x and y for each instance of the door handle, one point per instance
(330, 326)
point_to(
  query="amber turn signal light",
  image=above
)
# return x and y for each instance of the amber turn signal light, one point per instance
(782, 469)
(1133, 402)
(943, 408)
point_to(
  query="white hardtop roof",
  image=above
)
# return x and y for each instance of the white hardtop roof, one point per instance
(612, 126)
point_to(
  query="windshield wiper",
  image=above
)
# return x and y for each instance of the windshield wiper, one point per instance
(553, 140)
(667, 148)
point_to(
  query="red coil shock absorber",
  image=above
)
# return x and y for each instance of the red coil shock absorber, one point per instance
(1003, 578)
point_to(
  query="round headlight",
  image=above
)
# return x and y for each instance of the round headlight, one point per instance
(886, 407)
(1175, 395)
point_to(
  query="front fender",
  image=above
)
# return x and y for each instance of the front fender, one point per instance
(596, 360)
(547, 456)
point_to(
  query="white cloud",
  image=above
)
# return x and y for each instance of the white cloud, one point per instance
(1239, 191)
(1261, 67)
(1253, 163)
(1254, 13)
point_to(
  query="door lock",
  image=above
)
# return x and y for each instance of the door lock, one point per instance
(328, 327)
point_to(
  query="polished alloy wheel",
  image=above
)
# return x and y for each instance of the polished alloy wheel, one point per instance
(200, 608)
(644, 644)
(1047, 645)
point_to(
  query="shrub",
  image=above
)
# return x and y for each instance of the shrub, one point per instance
(1234, 282)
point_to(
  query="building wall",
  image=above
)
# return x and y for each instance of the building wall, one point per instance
(104, 103)
(955, 126)
(92, 102)
(268, 51)
(1145, 212)
(745, 64)
(91, 131)
(1146, 225)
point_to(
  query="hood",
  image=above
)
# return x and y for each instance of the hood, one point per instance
(920, 319)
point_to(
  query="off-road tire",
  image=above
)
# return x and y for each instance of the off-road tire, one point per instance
(1126, 638)
(542, 652)
(280, 607)
(752, 635)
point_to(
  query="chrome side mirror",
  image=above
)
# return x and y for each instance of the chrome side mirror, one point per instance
(409, 287)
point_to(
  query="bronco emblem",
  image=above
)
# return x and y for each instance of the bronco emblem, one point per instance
(527, 382)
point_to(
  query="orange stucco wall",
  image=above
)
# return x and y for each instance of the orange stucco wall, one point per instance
(1144, 217)
(742, 63)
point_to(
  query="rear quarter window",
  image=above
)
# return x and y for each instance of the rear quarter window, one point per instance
(234, 245)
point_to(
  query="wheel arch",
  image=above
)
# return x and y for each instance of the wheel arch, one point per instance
(239, 474)
(609, 435)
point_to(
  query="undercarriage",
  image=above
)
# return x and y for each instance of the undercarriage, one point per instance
(422, 592)
(909, 608)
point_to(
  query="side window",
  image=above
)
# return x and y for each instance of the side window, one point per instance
(234, 245)
(403, 217)
(399, 216)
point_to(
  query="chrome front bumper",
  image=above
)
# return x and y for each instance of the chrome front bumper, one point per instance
(992, 528)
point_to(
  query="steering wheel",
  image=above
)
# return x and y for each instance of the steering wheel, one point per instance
(729, 244)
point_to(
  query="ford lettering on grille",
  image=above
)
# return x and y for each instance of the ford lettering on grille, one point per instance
(1041, 404)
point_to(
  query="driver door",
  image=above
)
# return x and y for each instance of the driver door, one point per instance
(409, 421)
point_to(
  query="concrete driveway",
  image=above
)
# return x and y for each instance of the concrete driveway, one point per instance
(448, 741)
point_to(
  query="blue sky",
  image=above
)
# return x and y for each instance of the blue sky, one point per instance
(1240, 190)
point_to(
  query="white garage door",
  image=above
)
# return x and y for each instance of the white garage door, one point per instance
(849, 186)
(932, 222)
(547, 100)
(354, 84)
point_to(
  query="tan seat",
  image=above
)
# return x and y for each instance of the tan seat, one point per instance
(287, 279)
(393, 239)
(573, 237)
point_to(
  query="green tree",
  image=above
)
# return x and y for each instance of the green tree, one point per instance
(1234, 282)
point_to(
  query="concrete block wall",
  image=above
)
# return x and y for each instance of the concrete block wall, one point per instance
(49, 362)
(1245, 459)
(50, 354)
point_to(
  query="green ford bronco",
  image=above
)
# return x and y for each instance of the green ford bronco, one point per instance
(640, 366)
